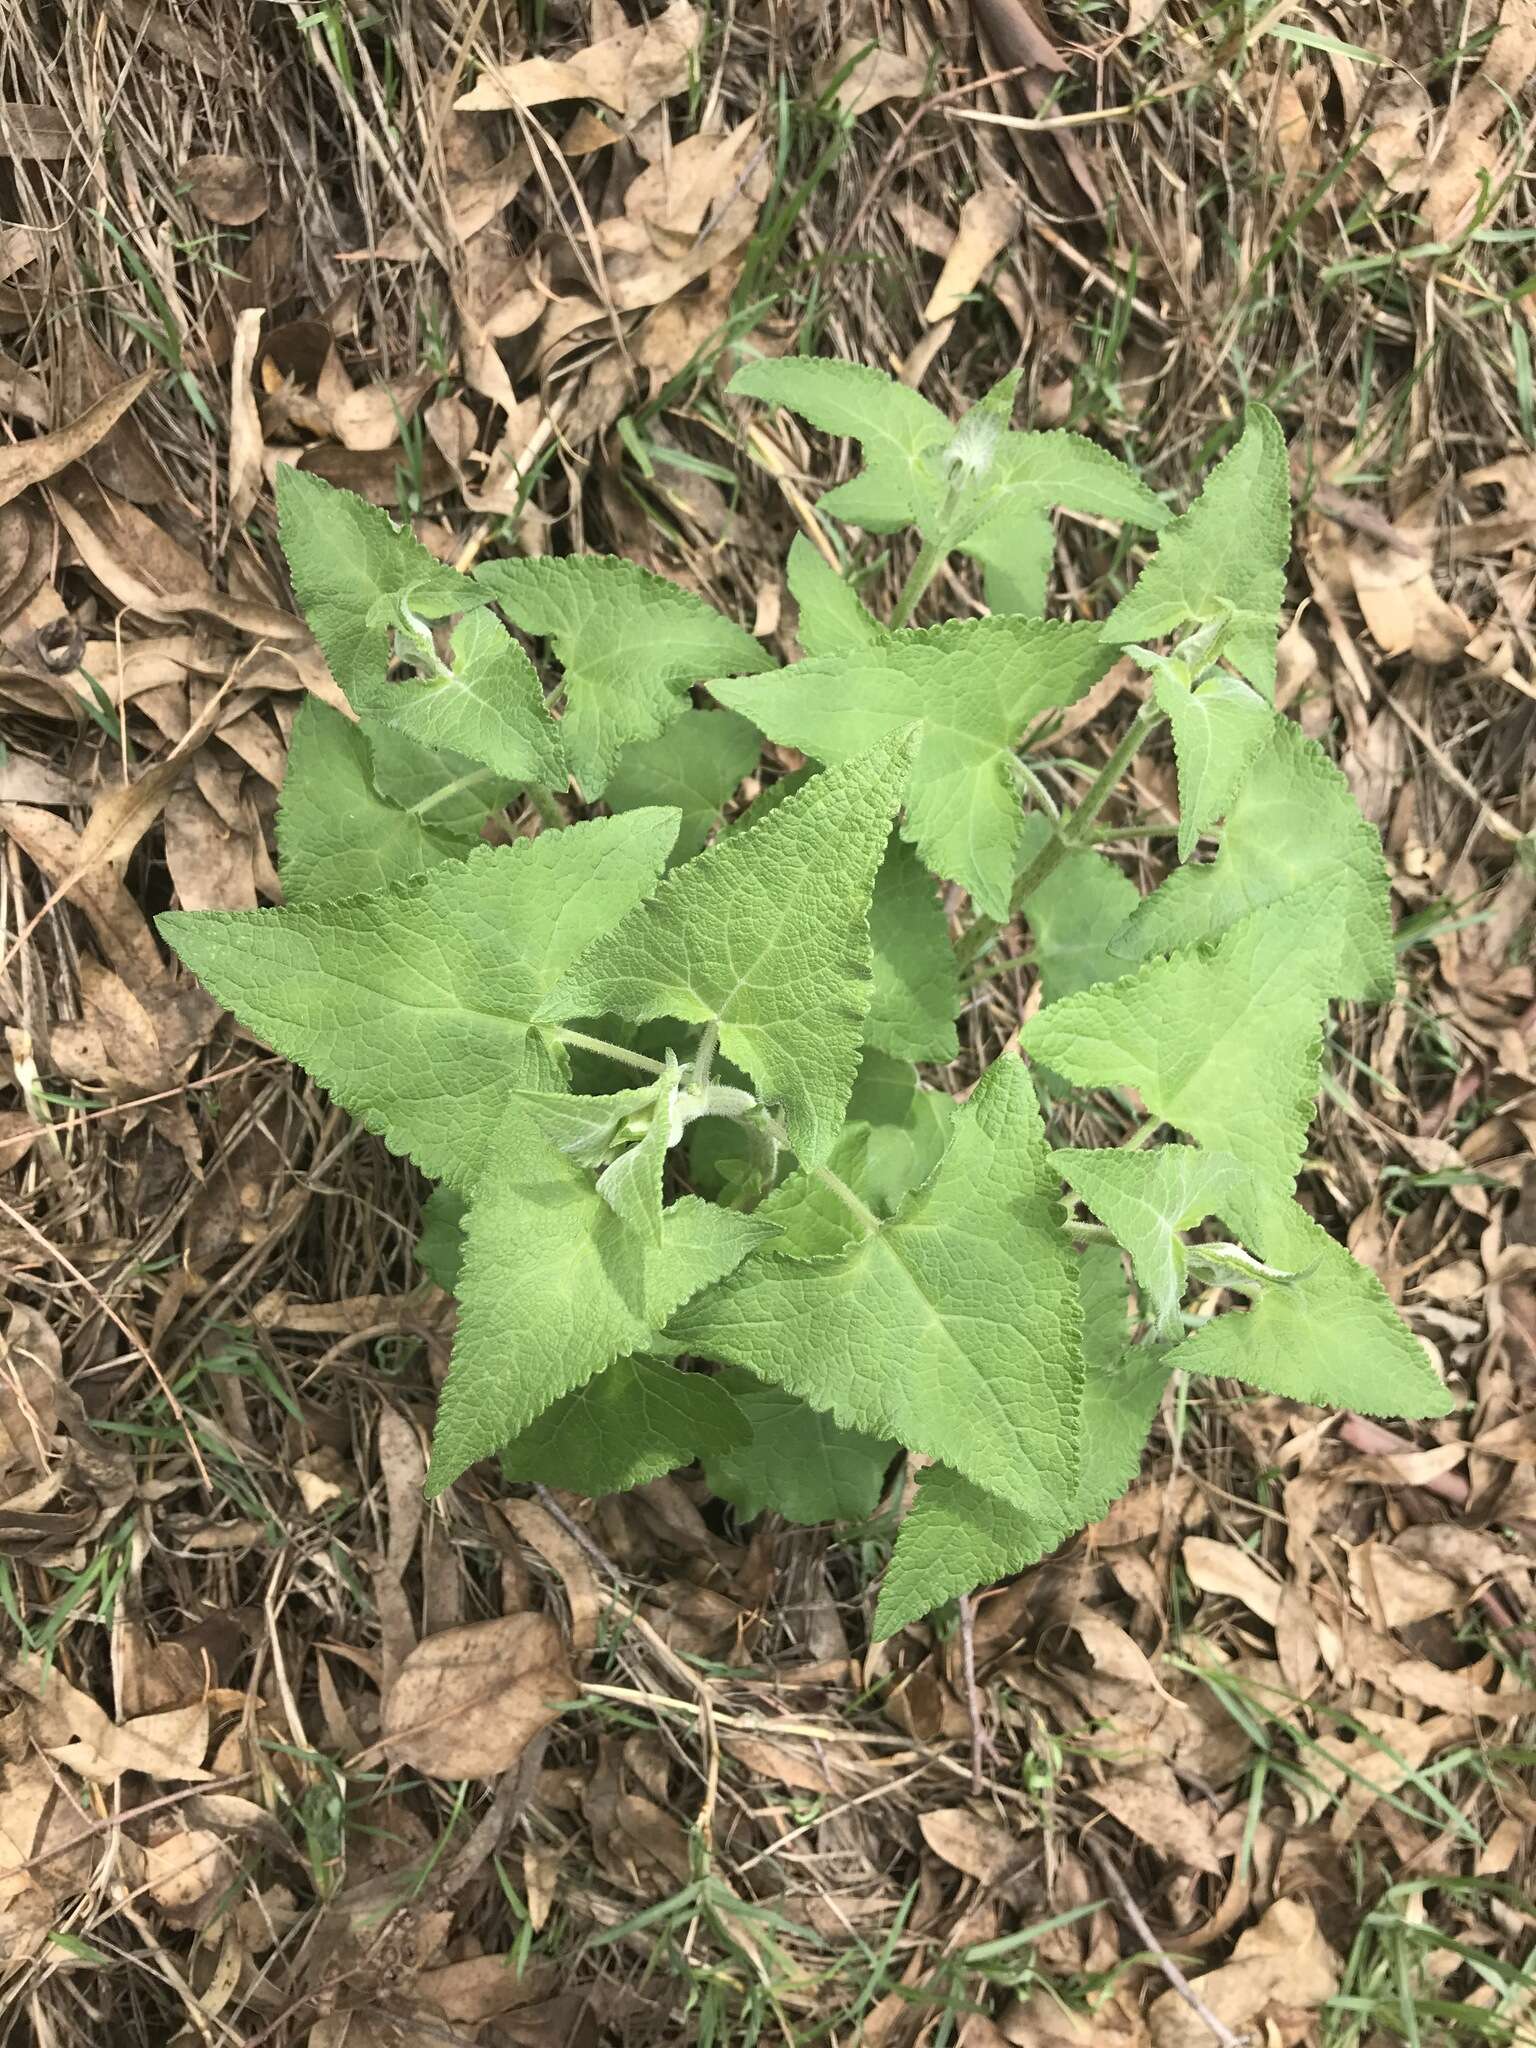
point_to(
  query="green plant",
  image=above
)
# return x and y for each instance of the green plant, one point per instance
(566, 1033)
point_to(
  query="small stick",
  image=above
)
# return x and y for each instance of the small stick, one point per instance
(981, 1742)
(1219, 2029)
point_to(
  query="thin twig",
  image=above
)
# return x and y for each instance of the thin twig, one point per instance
(1219, 2029)
(980, 1741)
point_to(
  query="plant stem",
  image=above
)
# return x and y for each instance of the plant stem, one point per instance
(930, 559)
(833, 1182)
(704, 1057)
(449, 789)
(544, 802)
(606, 1047)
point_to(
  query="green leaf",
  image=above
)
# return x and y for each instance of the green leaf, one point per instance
(916, 994)
(1015, 547)
(796, 1460)
(491, 708)
(832, 617)
(1294, 830)
(972, 686)
(351, 567)
(416, 1006)
(954, 1328)
(555, 1287)
(336, 836)
(957, 1537)
(908, 1130)
(765, 935)
(1074, 914)
(627, 1134)
(1147, 1198)
(1032, 472)
(695, 766)
(453, 794)
(1223, 1041)
(630, 644)
(630, 1424)
(1328, 1335)
(892, 424)
(1219, 728)
(1225, 558)
(440, 1247)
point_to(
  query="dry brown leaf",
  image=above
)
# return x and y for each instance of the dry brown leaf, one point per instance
(989, 220)
(167, 1747)
(228, 189)
(1019, 34)
(1401, 606)
(878, 76)
(369, 419)
(1284, 1962)
(1151, 1803)
(246, 446)
(187, 1871)
(212, 867)
(117, 921)
(1357, 1768)
(467, 1703)
(38, 1819)
(31, 1366)
(632, 72)
(1140, 15)
(983, 1849)
(484, 1986)
(538, 1528)
(798, 1769)
(375, 475)
(1223, 1568)
(25, 550)
(45, 455)
(1043, 2022)
(34, 132)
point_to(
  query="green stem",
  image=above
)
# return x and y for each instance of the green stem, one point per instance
(930, 559)
(606, 1047)
(544, 802)
(704, 1057)
(449, 789)
(833, 1182)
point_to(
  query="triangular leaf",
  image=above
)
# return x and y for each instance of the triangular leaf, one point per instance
(972, 686)
(490, 708)
(1295, 829)
(1224, 558)
(1328, 1335)
(351, 567)
(1073, 915)
(1030, 473)
(1219, 728)
(765, 935)
(696, 765)
(916, 993)
(908, 1129)
(630, 1424)
(450, 793)
(415, 1006)
(1223, 1041)
(1015, 547)
(554, 1287)
(832, 617)
(1147, 1198)
(892, 424)
(630, 643)
(796, 1459)
(954, 1328)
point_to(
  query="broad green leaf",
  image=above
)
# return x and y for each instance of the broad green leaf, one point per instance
(491, 708)
(440, 1246)
(957, 1537)
(1219, 728)
(695, 766)
(832, 616)
(554, 1287)
(916, 994)
(627, 1134)
(1224, 558)
(953, 1328)
(352, 567)
(892, 424)
(1147, 1198)
(416, 1006)
(1015, 548)
(1223, 1041)
(909, 1128)
(1073, 915)
(452, 793)
(796, 1459)
(1328, 1335)
(630, 644)
(765, 935)
(1295, 829)
(631, 1424)
(972, 686)
(1030, 473)
(336, 836)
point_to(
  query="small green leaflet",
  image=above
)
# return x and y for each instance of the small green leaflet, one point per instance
(1295, 828)
(336, 836)
(440, 1246)
(796, 1459)
(554, 1287)
(915, 997)
(1074, 914)
(832, 617)
(1223, 1041)
(972, 687)
(1147, 1198)
(352, 567)
(908, 1129)
(956, 1537)
(695, 765)
(954, 1328)
(627, 1134)
(490, 708)
(1219, 727)
(1223, 559)
(450, 792)
(765, 935)
(628, 1425)
(1329, 1335)
(630, 644)
(416, 1006)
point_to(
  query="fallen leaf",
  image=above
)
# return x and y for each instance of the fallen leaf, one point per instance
(632, 72)
(115, 918)
(375, 475)
(1223, 1568)
(245, 441)
(31, 1366)
(877, 76)
(467, 1703)
(24, 557)
(1401, 606)
(1284, 1962)
(212, 866)
(45, 455)
(539, 1528)
(983, 1849)
(187, 1871)
(1019, 34)
(799, 1771)
(483, 1986)
(1151, 1803)
(166, 1747)
(35, 133)
(989, 220)
(229, 189)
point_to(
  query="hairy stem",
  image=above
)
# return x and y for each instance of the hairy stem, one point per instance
(606, 1047)
(551, 817)
(704, 1056)
(930, 559)
(449, 789)
(833, 1182)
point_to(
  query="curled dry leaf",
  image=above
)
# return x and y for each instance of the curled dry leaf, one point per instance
(228, 189)
(24, 557)
(467, 1703)
(1019, 34)
(245, 442)
(989, 220)
(1284, 1962)
(72, 1728)
(31, 1364)
(1151, 1803)
(33, 462)
(875, 76)
(115, 918)
(483, 1986)
(186, 1871)
(1401, 606)
(982, 1849)
(631, 72)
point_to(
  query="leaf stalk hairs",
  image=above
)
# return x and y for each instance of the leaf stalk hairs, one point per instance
(687, 1069)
